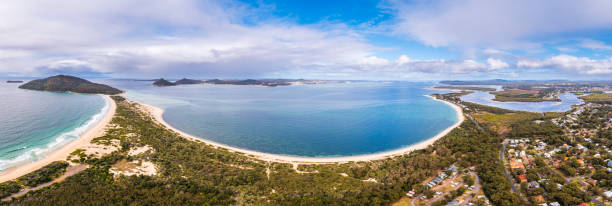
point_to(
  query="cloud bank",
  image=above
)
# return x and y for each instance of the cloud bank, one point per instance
(227, 39)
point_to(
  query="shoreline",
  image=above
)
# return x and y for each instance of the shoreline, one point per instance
(61, 153)
(157, 114)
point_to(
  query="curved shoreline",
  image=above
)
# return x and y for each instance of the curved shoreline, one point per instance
(158, 112)
(63, 152)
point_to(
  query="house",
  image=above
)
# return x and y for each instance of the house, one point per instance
(608, 194)
(517, 164)
(540, 198)
(454, 202)
(522, 178)
(533, 185)
(556, 162)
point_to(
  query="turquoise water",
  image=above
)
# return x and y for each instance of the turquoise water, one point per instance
(301, 120)
(32, 123)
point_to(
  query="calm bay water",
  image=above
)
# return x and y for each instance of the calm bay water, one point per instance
(32, 123)
(567, 100)
(301, 120)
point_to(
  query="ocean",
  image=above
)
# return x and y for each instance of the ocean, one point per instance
(324, 120)
(33, 123)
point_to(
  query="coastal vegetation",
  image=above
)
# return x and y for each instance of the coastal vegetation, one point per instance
(65, 83)
(8, 188)
(603, 98)
(190, 172)
(35, 178)
(45, 174)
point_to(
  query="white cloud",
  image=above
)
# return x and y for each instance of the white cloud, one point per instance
(501, 24)
(162, 38)
(597, 45)
(582, 65)
(496, 64)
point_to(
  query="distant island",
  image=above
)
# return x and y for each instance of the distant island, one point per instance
(465, 88)
(253, 82)
(188, 81)
(14, 81)
(163, 83)
(65, 83)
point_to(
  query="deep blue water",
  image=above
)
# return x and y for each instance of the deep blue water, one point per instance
(301, 120)
(32, 123)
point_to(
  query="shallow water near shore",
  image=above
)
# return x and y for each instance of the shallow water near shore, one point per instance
(34, 123)
(325, 120)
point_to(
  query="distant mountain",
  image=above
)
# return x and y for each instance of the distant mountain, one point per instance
(65, 83)
(163, 83)
(188, 81)
(14, 81)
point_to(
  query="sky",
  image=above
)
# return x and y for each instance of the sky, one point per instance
(417, 40)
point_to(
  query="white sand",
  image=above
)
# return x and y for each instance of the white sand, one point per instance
(63, 152)
(133, 168)
(157, 114)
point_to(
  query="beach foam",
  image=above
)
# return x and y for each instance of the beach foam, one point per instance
(36, 153)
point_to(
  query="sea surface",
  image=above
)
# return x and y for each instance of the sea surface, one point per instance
(33, 123)
(321, 120)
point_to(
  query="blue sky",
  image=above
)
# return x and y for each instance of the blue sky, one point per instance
(376, 40)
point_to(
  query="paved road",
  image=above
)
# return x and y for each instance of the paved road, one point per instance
(501, 157)
(475, 122)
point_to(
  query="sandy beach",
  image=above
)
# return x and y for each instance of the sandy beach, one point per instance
(158, 112)
(63, 152)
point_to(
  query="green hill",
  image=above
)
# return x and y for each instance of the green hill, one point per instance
(65, 83)
(163, 83)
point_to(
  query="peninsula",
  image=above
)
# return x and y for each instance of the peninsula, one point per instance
(65, 83)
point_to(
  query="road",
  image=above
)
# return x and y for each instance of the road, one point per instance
(508, 177)
(72, 170)
(475, 191)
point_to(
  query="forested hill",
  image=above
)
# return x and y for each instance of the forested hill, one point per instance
(65, 83)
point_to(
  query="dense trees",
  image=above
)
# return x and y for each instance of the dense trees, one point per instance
(45, 174)
(65, 83)
(8, 188)
(191, 172)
